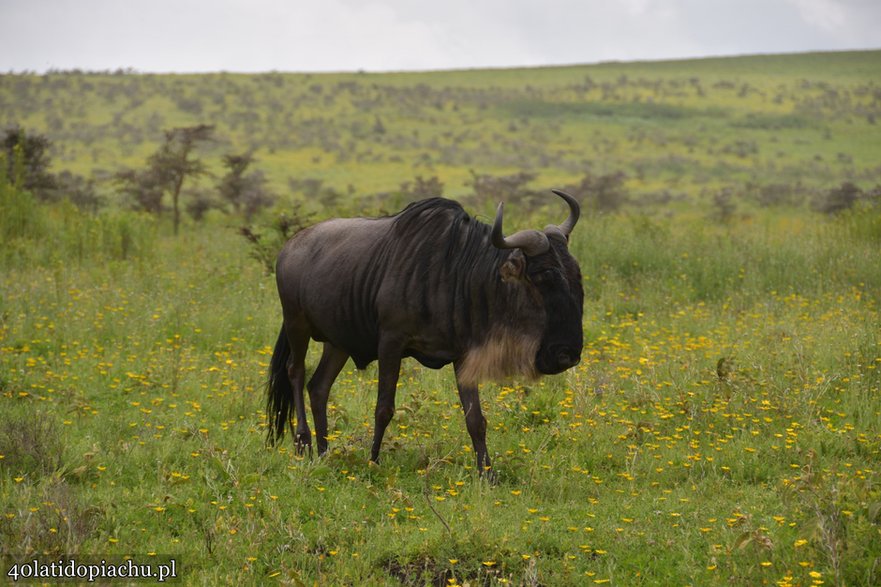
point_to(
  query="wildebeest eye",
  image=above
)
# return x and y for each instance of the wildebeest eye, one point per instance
(543, 276)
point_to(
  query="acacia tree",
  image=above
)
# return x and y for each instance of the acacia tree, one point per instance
(174, 162)
(166, 171)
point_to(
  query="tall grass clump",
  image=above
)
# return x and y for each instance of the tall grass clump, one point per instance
(39, 233)
(110, 235)
(685, 260)
(21, 219)
(863, 222)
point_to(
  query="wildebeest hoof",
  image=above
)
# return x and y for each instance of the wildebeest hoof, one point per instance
(302, 442)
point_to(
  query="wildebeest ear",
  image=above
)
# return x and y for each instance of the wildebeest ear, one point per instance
(514, 268)
(553, 231)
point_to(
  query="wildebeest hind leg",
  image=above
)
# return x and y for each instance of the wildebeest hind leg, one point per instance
(299, 341)
(330, 365)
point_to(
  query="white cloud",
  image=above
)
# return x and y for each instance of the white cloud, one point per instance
(827, 15)
(305, 35)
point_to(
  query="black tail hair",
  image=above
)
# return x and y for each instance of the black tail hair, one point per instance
(279, 393)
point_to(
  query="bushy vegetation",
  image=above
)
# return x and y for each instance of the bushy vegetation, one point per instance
(724, 423)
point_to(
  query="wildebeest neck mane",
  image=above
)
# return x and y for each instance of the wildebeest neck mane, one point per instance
(442, 229)
(448, 258)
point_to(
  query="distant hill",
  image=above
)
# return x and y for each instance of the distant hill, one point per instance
(676, 130)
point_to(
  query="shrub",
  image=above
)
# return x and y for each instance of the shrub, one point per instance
(838, 199)
(265, 242)
(31, 445)
(606, 192)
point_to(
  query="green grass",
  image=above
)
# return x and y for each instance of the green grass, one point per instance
(723, 426)
(132, 423)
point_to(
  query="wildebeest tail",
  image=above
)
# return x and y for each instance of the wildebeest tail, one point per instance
(279, 393)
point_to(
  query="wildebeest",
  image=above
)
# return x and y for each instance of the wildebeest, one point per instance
(431, 283)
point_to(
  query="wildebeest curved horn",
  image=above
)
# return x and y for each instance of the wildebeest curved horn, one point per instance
(574, 212)
(531, 242)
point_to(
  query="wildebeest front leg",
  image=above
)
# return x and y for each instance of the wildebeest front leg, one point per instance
(389, 369)
(476, 424)
(330, 365)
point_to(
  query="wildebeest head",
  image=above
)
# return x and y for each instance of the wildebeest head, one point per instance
(542, 263)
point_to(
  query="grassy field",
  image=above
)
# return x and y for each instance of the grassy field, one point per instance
(723, 427)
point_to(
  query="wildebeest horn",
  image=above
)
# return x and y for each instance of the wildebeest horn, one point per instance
(574, 213)
(532, 242)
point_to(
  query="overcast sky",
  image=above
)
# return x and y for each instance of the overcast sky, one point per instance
(384, 35)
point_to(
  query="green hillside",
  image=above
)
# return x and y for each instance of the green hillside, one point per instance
(677, 129)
